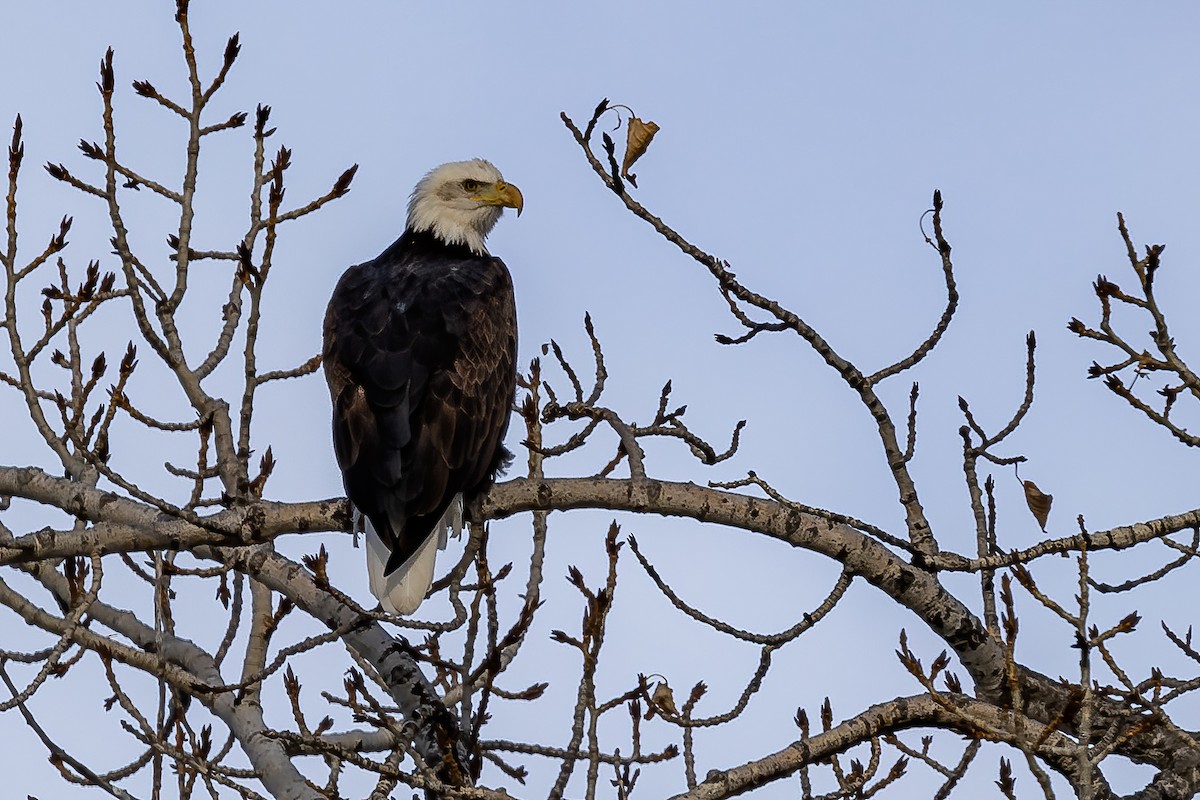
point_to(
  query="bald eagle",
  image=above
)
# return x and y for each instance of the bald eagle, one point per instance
(420, 356)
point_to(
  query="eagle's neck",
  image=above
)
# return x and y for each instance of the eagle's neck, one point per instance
(454, 226)
(429, 243)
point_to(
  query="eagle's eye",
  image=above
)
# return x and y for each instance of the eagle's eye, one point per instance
(471, 186)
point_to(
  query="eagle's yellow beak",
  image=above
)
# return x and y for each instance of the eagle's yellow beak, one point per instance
(502, 194)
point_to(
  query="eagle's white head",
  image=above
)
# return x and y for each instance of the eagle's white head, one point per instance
(460, 202)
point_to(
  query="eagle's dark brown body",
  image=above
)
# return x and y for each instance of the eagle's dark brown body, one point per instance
(420, 356)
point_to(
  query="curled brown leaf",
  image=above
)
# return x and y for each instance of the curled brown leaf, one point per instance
(1038, 502)
(664, 699)
(638, 135)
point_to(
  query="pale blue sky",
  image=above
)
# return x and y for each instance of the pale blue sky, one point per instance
(800, 141)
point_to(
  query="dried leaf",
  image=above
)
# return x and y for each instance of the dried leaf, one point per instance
(1038, 502)
(638, 135)
(664, 699)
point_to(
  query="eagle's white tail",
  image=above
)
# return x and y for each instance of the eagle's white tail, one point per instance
(403, 591)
